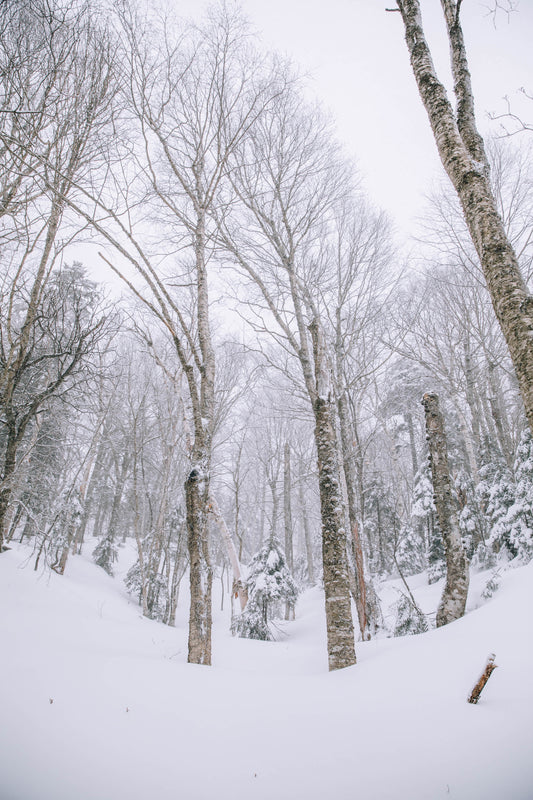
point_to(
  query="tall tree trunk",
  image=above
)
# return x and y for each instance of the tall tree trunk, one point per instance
(496, 407)
(307, 534)
(340, 632)
(462, 153)
(90, 494)
(8, 474)
(453, 602)
(198, 480)
(117, 496)
(473, 404)
(262, 514)
(201, 573)
(287, 517)
(412, 442)
(367, 613)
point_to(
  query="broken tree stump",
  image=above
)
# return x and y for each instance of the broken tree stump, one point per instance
(487, 672)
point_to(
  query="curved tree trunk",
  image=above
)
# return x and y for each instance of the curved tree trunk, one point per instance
(462, 153)
(453, 601)
(238, 587)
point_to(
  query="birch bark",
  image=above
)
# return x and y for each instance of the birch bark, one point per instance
(462, 153)
(453, 601)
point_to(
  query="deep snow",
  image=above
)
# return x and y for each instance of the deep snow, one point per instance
(98, 703)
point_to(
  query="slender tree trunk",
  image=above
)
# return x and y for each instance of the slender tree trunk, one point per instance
(366, 612)
(238, 584)
(94, 480)
(262, 515)
(473, 404)
(117, 497)
(498, 416)
(453, 602)
(287, 516)
(198, 480)
(412, 442)
(462, 153)
(307, 535)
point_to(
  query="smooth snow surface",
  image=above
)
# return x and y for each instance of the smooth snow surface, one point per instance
(97, 703)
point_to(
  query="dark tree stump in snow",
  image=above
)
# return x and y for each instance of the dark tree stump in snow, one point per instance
(487, 672)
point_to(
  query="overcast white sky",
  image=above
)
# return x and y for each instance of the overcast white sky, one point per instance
(355, 55)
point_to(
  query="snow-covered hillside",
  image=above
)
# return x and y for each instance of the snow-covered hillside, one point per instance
(98, 703)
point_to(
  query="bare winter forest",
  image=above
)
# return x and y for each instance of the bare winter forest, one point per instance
(267, 393)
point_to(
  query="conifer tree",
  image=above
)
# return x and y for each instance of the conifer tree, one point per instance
(519, 517)
(270, 585)
(496, 491)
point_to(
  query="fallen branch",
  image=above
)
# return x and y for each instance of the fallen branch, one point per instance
(487, 672)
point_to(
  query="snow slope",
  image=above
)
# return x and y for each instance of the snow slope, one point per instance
(97, 703)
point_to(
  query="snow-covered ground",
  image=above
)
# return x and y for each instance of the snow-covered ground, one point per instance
(97, 703)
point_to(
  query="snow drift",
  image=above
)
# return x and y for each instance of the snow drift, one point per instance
(98, 703)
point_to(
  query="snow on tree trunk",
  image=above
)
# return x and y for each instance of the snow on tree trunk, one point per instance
(340, 632)
(238, 585)
(462, 153)
(201, 573)
(453, 601)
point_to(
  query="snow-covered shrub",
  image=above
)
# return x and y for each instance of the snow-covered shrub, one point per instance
(105, 553)
(492, 585)
(156, 591)
(409, 618)
(483, 558)
(411, 550)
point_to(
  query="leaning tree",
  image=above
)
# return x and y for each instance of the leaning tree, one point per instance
(463, 155)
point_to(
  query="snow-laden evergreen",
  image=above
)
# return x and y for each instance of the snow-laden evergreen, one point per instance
(519, 516)
(269, 584)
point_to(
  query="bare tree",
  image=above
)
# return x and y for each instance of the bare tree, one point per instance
(464, 158)
(287, 178)
(192, 100)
